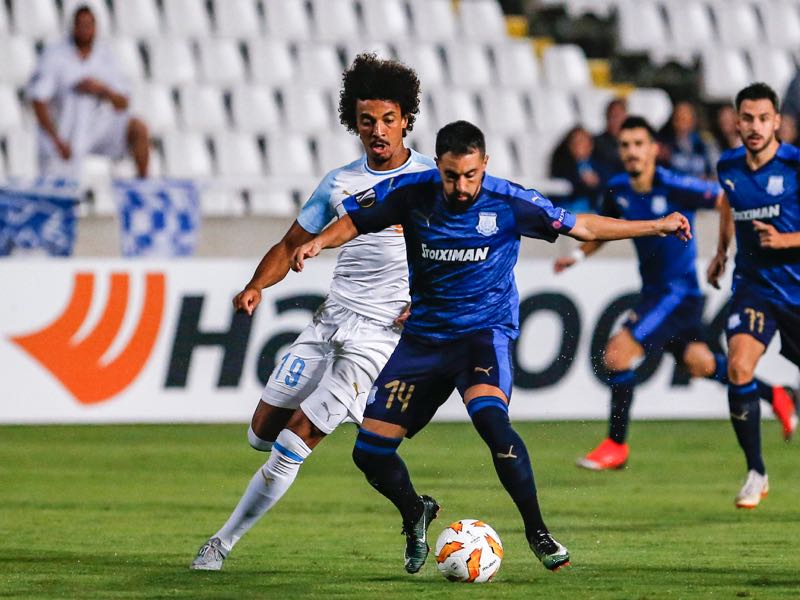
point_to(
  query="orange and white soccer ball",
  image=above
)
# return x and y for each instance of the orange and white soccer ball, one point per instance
(469, 550)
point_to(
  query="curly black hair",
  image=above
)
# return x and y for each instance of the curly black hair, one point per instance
(372, 78)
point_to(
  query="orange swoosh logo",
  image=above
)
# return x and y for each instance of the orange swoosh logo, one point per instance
(77, 365)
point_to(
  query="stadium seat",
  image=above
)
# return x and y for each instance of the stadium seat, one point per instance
(566, 67)
(652, 103)
(433, 20)
(501, 157)
(287, 19)
(237, 155)
(171, 61)
(21, 153)
(202, 108)
(271, 61)
(187, 18)
(426, 59)
(186, 154)
(534, 151)
(689, 24)
(424, 143)
(482, 20)
(553, 111)
(221, 61)
(452, 104)
(129, 58)
(337, 149)
(319, 65)
(19, 59)
(154, 103)
(773, 66)
(219, 199)
(737, 24)
(599, 8)
(351, 49)
(306, 109)
(36, 18)
(468, 65)
(640, 26)
(723, 73)
(136, 18)
(385, 20)
(237, 18)
(335, 20)
(781, 20)
(273, 203)
(592, 104)
(4, 24)
(426, 121)
(255, 109)
(290, 162)
(10, 109)
(505, 112)
(516, 64)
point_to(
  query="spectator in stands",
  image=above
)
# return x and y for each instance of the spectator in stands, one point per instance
(790, 111)
(724, 131)
(80, 100)
(572, 160)
(682, 147)
(606, 147)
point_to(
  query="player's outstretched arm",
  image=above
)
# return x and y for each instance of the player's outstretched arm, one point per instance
(716, 268)
(333, 236)
(591, 228)
(272, 268)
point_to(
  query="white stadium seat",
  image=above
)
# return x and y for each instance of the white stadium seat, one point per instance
(186, 154)
(427, 61)
(238, 155)
(468, 64)
(271, 61)
(553, 111)
(592, 104)
(504, 111)
(337, 149)
(782, 22)
(652, 103)
(288, 156)
(501, 157)
(19, 59)
(354, 48)
(724, 72)
(319, 64)
(21, 153)
(237, 18)
(482, 20)
(737, 23)
(453, 104)
(640, 26)
(385, 19)
(129, 58)
(255, 109)
(187, 18)
(171, 61)
(36, 18)
(136, 18)
(10, 109)
(273, 202)
(335, 20)
(773, 66)
(433, 20)
(221, 62)
(516, 64)
(287, 19)
(202, 108)
(565, 66)
(306, 109)
(4, 24)
(535, 150)
(426, 121)
(690, 24)
(154, 103)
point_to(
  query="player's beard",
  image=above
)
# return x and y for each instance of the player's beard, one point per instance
(758, 149)
(456, 205)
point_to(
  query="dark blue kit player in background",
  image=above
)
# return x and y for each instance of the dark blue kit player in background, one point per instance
(462, 229)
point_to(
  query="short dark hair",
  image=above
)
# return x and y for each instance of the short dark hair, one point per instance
(637, 122)
(460, 137)
(757, 91)
(372, 78)
(614, 102)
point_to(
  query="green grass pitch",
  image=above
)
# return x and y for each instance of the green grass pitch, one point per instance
(119, 511)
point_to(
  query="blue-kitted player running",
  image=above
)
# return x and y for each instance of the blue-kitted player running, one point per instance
(760, 180)
(462, 229)
(669, 312)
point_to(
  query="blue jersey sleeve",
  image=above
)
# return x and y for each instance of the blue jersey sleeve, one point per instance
(318, 210)
(692, 192)
(536, 217)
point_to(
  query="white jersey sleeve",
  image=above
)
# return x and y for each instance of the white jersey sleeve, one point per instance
(319, 209)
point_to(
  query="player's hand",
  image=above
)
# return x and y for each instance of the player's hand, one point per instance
(563, 263)
(247, 300)
(676, 223)
(403, 316)
(768, 236)
(63, 148)
(716, 269)
(92, 87)
(307, 250)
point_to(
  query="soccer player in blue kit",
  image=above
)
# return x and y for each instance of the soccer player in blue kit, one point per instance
(668, 315)
(462, 230)
(760, 180)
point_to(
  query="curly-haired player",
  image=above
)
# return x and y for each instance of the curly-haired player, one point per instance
(325, 375)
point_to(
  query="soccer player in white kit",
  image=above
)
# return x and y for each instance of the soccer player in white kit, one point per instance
(328, 371)
(80, 99)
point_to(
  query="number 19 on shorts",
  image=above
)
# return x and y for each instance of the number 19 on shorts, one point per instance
(291, 375)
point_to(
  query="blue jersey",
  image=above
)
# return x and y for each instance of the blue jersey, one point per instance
(768, 194)
(460, 263)
(666, 264)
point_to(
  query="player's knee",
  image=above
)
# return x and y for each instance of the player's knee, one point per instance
(489, 415)
(370, 449)
(137, 130)
(739, 370)
(256, 442)
(289, 452)
(614, 360)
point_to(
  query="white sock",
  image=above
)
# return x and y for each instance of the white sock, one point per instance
(267, 486)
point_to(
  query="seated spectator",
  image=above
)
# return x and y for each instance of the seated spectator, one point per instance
(572, 160)
(682, 147)
(725, 133)
(787, 132)
(80, 100)
(606, 148)
(790, 111)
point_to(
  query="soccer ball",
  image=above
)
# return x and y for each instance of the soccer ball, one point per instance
(469, 550)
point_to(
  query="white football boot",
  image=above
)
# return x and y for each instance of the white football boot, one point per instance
(755, 487)
(210, 556)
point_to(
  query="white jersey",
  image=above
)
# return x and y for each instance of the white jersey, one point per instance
(371, 275)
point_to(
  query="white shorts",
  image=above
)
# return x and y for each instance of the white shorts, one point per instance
(329, 369)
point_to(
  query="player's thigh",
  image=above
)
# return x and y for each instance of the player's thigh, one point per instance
(750, 328)
(268, 420)
(484, 365)
(698, 359)
(622, 351)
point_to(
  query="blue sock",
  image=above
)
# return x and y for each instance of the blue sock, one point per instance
(510, 457)
(721, 375)
(621, 384)
(377, 458)
(746, 420)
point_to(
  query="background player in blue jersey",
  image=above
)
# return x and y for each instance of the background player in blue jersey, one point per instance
(760, 180)
(325, 375)
(668, 315)
(462, 230)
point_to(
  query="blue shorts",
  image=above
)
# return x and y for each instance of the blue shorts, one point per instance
(760, 317)
(420, 376)
(667, 322)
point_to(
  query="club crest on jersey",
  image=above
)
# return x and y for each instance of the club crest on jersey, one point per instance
(734, 321)
(775, 185)
(366, 198)
(659, 205)
(622, 201)
(487, 223)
